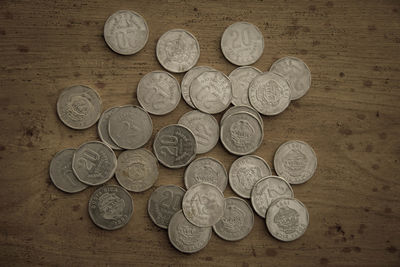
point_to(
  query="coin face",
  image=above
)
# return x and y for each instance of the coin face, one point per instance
(110, 207)
(204, 127)
(269, 93)
(287, 219)
(187, 80)
(61, 173)
(94, 163)
(242, 43)
(185, 236)
(175, 146)
(177, 50)
(203, 204)
(211, 92)
(79, 107)
(158, 92)
(163, 203)
(206, 170)
(240, 109)
(268, 189)
(102, 128)
(245, 172)
(130, 127)
(237, 222)
(241, 78)
(295, 161)
(126, 32)
(296, 72)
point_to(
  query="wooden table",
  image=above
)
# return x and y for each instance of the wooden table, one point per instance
(350, 116)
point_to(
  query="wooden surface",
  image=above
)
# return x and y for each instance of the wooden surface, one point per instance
(350, 117)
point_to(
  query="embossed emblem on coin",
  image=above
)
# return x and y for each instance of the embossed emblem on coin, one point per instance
(102, 128)
(242, 109)
(187, 80)
(241, 78)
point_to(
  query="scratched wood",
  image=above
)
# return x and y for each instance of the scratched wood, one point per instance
(350, 117)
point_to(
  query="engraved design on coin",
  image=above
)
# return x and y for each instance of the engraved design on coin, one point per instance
(187, 80)
(241, 78)
(102, 128)
(242, 109)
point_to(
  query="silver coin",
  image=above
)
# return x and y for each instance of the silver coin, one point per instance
(269, 93)
(240, 109)
(295, 161)
(287, 219)
(187, 80)
(163, 203)
(178, 50)
(175, 146)
(296, 72)
(245, 172)
(268, 189)
(211, 92)
(61, 173)
(237, 222)
(158, 92)
(126, 32)
(185, 236)
(137, 170)
(203, 204)
(130, 127)
(208, 170)
(241, 78)
(94, 163)
(102, 128)
(79, 107)
(110, 207)
(204, 127)
(242, 43)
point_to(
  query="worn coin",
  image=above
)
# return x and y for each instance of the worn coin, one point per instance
(79, 107)
(240, 109)
(187, 80)
(241, 78)
(110, 207)
(102, 128)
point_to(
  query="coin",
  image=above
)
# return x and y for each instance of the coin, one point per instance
(287, 219)
(296, 72)
(204, 127)
(79, 107)
(102, 128)
(241, 78)
(245, 172)
(163, 203)
(268, 189)
(187, 80)
(295, 161)
(175, 146)
(158, 92)
(186, 237)
(269, 93)
(240, 109)
(203, 204)
(110, 207)
(211, 92)
(237, 222)
(177, 50)
(126, 32)
(130, 127)
(242, 43)
(208, 170)
(61, 173)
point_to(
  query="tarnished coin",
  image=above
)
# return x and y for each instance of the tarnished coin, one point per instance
(94, 163)
(102, 128)
(203, 204)
(296, 72)
(177, 50)
(287, 219)
(175, 146)
(241, 78)
(126, 32)
(204, 127)
(269, 93)
(130, 127)
(137, 170)
(295, 161)
(79, 107)
(158, 92)
(268, 189)
(237, 222)
(211, 92)
(245, 172)
(110, 207)
(187, 80)
(208, 170)
(240, 109)
(163, 203)
(61, 173)
(185, 236)
(242, 43)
